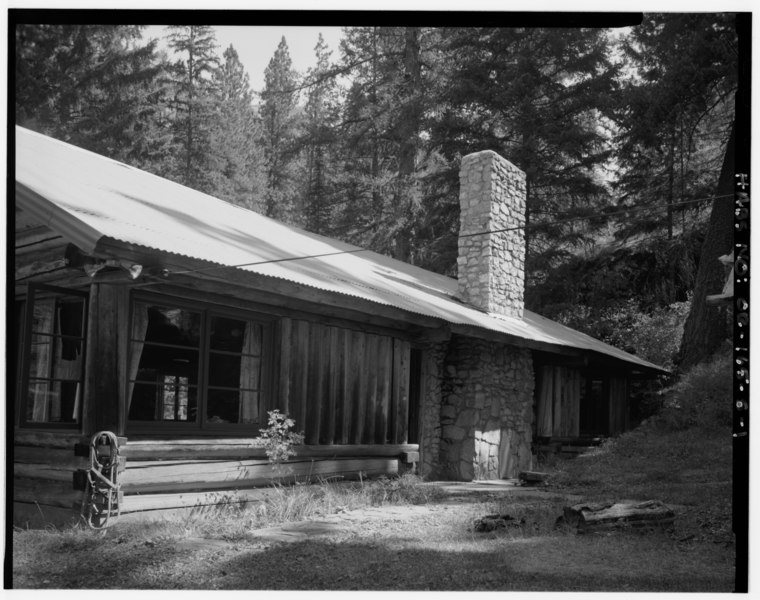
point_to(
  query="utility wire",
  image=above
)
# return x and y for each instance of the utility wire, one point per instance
(292, 258)
(267, 262)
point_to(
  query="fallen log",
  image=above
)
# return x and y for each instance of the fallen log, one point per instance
(590, 517)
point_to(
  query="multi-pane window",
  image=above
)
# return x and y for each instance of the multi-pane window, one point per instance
(53, 366)
(194, 366)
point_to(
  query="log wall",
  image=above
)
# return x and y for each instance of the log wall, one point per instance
(175, 474)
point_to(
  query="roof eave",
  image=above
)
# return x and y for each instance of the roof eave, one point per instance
(51, 215)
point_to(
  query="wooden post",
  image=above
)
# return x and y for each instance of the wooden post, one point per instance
(103, 398)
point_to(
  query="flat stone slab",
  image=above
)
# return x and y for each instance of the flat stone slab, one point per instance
(299, 531)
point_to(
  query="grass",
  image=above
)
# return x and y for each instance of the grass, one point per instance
(682, 457)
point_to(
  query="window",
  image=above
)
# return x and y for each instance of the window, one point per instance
(53, 364)
(194, 368)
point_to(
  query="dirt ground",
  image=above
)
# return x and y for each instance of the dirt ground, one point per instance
(429, 547)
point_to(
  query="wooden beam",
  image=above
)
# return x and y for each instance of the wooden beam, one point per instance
(208, 475)
(234, 448)
(102, 393)
(32, 269)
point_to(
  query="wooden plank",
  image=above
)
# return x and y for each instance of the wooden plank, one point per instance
(301, 372)
(545, 402)
(347, 392)
(162, 451)
(57, 457)
(31, 238)
(40, 439)
(383, 435)
(330, 416)
(575, 401)
(359, 386)
(370, 370)
(134, 503)
(150, 502)
(557, 401)
(283, 391)
(46, 472)
(31, 269)
(400, 403)
(198, 476)
(46, 492)
(314, 399)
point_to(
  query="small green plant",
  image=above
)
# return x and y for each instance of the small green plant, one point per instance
(279, 439)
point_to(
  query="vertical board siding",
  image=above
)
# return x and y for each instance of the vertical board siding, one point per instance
(557, 402)
(559, 396)
(313, 398)
(618, 405)
(370, 373)
(544, 393)
(343, 386)
(383, 398)
(285, 360)
(346, 383)
(400, 412)
(358, 385)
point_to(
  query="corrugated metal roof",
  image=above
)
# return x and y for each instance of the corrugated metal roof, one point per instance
(91, 198)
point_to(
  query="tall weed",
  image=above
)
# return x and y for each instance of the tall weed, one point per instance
(701, 398)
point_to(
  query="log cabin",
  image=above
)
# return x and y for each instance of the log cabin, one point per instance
(176, 321)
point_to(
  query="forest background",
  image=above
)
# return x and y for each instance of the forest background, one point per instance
(626, 137)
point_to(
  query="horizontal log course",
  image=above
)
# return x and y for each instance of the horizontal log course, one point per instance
(154, 502)
(62, 458)
(191, 476)
(43, 472)
(245, 448)
(41, 439)
(46, 492)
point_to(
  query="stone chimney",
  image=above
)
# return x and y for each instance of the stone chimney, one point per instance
(491, 265)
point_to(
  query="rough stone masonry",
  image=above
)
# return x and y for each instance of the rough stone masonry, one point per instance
(483, 390)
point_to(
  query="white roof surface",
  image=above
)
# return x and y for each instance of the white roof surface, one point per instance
(90, 198)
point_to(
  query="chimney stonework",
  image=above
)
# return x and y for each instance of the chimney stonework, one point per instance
(478, 403)
(491, 266)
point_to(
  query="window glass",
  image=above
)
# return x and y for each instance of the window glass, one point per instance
(187, 365)
(234, 373)
(164, 364)
(55, 363)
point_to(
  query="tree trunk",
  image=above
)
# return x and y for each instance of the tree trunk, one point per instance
(707, 326)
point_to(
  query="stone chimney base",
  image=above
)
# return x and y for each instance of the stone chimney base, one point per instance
(486, 411)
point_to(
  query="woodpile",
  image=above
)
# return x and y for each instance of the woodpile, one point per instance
(592, 517)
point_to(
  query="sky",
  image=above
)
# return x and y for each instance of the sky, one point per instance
(256, 45)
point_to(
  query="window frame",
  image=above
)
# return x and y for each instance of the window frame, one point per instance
(22, 396)
(201, 426)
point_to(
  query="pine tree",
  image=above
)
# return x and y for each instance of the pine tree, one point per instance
(318, 139)
(192, 101)
(98, 87)
(540, 98)
(279, 131)
(674, 117)
(236, 159)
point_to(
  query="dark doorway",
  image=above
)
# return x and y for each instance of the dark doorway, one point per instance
(595, 409)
